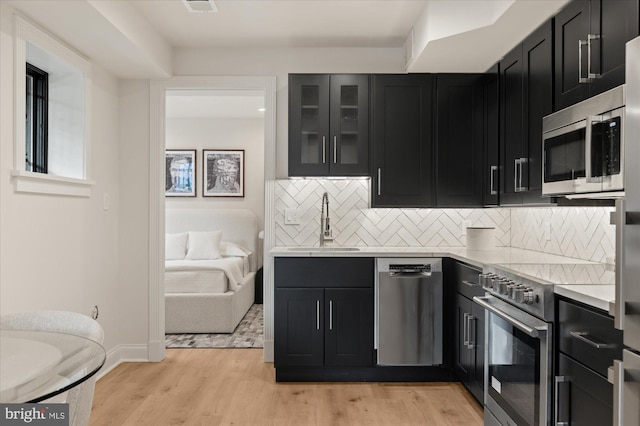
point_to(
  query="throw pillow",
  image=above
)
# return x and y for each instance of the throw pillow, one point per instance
(175, 246)
(204, 245)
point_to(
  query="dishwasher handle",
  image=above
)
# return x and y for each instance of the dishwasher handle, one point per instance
(407, 274)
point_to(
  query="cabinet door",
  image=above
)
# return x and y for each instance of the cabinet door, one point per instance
(462, 363)
(349, 121)
(511, 101)
(299, 327)
(615, 22)
(402, 148)
(478, 351)
(349, 327)
(571, 28)
(308, 125)
(460, 139)
(537, 102)
(583, 397)
(491, 171)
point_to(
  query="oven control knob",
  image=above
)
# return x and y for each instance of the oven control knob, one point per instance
(485, 280)
(511, 290)
(524, 295)
(504, 287)
(495, 283)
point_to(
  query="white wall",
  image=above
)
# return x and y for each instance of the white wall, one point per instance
(221, 133)
(280, 62)
(59, 252)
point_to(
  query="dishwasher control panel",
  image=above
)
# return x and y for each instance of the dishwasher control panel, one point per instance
(409, 265)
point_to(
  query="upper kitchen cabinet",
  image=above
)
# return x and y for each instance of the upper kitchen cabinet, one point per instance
(460, 117)
(402, 140)
(590, 47)
(526, 93)
(491, 171)
(328, 125)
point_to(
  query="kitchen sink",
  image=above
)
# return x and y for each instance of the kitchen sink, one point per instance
(323, 249)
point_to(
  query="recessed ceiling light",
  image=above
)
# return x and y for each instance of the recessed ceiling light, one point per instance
(261, 109)
(200, 6)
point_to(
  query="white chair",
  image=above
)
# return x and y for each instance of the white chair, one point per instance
(79, 398)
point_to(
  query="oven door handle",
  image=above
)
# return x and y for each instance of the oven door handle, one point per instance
(533, 332)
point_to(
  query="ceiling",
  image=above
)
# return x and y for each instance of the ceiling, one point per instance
(138, 38)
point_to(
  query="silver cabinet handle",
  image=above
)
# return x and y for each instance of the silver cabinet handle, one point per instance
(330, 314)
(556, 405)
(379, 180)
(465, 329)
(581, 79)
(472, 331)
(324, 151)
(520, 187)
(492, 172)
(516, 169)
(317, 315)
(469, 283)
(618, 383)
(590, 38)
(582, 336)
(335, 149)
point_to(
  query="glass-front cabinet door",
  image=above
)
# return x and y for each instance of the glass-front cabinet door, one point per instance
(328, 125)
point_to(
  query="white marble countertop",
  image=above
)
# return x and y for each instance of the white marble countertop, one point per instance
(592, 292)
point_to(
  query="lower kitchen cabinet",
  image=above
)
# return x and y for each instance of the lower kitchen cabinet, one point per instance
(331, 327)
(587, 344)
(469, 330)
(323, 314)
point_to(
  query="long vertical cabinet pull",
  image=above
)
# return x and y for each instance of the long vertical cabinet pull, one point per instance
(330, 314)
(516, 168)
(492, 172)
(556, 405)
(317, 315)
(335, 149)
(379, 180)
(472, 331)
(465, 329)
(520, 187)
(590, 38)
(324, 150)
(618, 383)
(581, 79)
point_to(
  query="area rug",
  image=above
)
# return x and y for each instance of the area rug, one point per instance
(248, 334)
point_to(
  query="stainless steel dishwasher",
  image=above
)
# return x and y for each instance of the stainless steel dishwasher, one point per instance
(409, 311)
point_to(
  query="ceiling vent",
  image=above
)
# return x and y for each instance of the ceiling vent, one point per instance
(200, 6)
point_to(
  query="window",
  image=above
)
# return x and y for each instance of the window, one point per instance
(52, 105)
(37, 95)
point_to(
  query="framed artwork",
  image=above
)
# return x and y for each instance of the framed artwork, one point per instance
(180, 173)
(223, 173)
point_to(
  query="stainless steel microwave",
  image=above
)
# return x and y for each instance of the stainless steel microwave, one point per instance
(583, 147)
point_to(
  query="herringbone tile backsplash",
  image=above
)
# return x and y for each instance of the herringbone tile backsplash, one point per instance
(582, 233)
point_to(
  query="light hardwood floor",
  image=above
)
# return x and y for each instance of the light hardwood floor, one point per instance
(234, 386)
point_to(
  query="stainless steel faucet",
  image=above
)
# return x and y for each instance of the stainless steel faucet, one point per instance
(325, 226)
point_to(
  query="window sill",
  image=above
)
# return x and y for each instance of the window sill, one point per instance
(39, 183)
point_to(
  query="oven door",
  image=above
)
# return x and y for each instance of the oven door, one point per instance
(518, 365)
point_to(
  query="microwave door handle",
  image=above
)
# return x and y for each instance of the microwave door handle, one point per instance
(589, 147)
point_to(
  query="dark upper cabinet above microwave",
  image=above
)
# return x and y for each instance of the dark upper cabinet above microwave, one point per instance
(402, 174)
(526, 91)
(590, 38)
(328, 125)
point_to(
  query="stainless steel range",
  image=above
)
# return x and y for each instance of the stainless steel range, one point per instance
(518, 350)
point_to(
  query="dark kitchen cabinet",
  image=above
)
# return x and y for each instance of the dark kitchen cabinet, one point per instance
(491, 171)
(587, 344)
(328, 125)
(469, 330)
(526, 91)
(590, 38)
(402, 172)
(323, 312)
(460, 138)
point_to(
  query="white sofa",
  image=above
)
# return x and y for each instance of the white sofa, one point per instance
(214, 312)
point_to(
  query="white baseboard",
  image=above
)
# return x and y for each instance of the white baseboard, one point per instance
(123, 353)
(268, 351)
